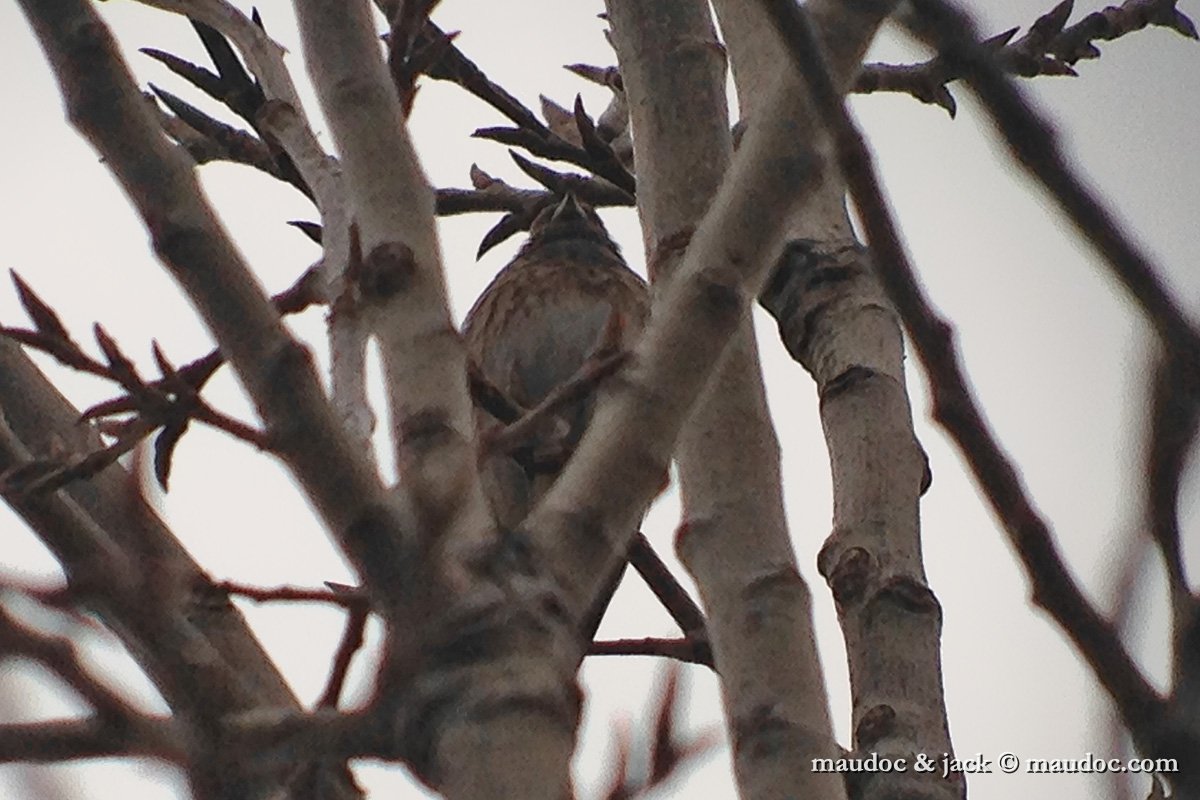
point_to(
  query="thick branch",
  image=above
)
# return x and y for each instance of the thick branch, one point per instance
(194, 645)
(955, 408)
(402, 279)
(587, 517)
(496, 723)
(98, 528)
(735, 530)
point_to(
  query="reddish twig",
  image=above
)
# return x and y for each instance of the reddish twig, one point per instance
(167, 404)
(670, 592)
(685, 650)
(516, 434)
(667, 750)
(58, 655)
(295, 594)
(351, 643)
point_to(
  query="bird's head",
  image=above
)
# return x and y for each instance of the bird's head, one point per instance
(569, 220)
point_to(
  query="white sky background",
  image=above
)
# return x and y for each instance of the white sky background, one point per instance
(1052, 347)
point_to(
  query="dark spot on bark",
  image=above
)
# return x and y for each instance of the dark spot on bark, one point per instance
(850, 575)
(387, 270)
(876, 723)
(911, 596)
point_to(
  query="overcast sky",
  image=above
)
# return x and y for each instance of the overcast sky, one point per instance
(1052, 346)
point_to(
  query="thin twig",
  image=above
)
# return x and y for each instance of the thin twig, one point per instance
(1034, 144)
(1048, 48)
(59, 741)
(351, 643)
(530, 132)
(1174, 419)
(59, 656)
(580, 385)
(685, 650)
(259, 594)
(168, 403)
(669, 591)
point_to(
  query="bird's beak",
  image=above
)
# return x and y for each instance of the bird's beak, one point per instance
(568, 210)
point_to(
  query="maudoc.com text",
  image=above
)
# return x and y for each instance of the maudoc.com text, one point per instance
(1007, 763)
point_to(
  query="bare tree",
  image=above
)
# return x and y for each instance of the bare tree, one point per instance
(484, 624)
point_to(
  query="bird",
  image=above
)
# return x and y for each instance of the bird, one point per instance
(565, 297)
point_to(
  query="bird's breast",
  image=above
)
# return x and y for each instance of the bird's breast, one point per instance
(540, 321)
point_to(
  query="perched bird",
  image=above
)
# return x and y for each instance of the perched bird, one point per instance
(567, 295)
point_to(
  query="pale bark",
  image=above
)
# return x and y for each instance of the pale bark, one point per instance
(402, 281)
(519, 696)
(283, 119)
(633, 433)
(838, 323)
(585, 522)
(846, 334)
(735, 538)
(483, 693)
(511, 732)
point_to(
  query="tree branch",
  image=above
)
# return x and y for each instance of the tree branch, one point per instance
(1050, 47)
(276, 371)
(1034, 144)
(734, 530)
(956, 410)
(58, 741)
(401, 276)
(606, 487)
